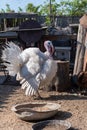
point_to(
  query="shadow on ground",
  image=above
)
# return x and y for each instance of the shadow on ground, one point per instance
(6, 91)
(66, 97)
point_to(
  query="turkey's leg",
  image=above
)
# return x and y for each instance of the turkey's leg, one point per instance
(37, 95)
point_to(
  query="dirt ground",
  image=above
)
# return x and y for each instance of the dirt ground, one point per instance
(73, 108)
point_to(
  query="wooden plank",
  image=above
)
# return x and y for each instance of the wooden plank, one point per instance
(17, 15)
(16, 29)
(79, 60)
(85, 62)
(85, 57)
(8, 34)
(83, 21)
(57, 37)
(74, 25)
(5, 24)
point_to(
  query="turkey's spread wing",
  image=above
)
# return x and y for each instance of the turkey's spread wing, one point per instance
(48, 72)
(29, 53)
(28, 77)
(29, 72)
(31, 86)
(31, 67)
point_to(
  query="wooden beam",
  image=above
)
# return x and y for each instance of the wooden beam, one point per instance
(62, 76)
(8, 35)
(58, 37)
(17, 15)
(79, 60)
(83, 21)
(85, 57)
(17, 29)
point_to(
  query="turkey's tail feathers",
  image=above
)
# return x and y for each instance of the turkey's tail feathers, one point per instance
(11, 59)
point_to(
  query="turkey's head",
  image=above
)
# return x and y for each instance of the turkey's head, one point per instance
(49, 47)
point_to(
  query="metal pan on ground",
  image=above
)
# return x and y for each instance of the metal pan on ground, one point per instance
(35, 111)
(52, 125)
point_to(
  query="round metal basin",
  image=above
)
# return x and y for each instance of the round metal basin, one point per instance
(52, 125)
(35, 111)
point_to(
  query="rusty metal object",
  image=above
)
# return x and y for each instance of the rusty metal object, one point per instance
(30, 31)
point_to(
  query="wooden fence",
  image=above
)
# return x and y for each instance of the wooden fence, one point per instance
(8, 20)
(15, 19)
(62, 21)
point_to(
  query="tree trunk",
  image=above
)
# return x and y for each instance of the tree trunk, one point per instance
(62, 76)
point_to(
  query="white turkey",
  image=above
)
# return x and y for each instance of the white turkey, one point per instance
(32, 67)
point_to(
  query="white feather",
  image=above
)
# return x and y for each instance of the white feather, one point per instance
(11, 54)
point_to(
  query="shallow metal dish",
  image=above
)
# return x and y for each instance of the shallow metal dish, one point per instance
(35, 111)
(52, 125)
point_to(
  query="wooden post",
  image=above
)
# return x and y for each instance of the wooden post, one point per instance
(62, 76)
(85, 62)
(79, 60)
(5, 24)
(5, 28)
(61, 80)
(85, 57)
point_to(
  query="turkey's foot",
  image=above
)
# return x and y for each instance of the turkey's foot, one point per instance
(38, 96)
